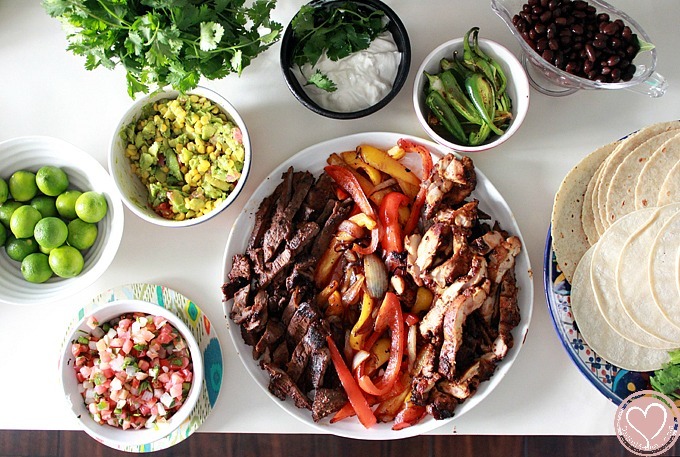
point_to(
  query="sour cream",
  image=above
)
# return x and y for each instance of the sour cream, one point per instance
(362, 79)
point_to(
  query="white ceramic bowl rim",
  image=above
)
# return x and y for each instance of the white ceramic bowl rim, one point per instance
(74, 399)
(517, 82)
(131, 190)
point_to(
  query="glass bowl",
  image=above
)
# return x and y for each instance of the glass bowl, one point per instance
(550, 80)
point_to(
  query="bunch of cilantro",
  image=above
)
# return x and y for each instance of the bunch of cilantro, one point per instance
(167, 42)
(338, 30)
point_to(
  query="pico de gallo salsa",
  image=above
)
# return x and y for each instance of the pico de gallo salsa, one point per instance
(134, 371)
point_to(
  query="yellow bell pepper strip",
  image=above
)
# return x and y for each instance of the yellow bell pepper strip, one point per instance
(354, 160)
(358, 332)
(391, 235)
(354, 394)
(389, 315)
(345, 179)
(326, 264)
(385, 163)
(427, 165)
(423, 301)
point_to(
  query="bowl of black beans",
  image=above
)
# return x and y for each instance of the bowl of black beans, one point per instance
(568, 45)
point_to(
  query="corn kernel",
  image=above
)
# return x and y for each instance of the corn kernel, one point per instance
(180, 217)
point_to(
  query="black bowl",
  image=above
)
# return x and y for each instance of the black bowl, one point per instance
(401, 39)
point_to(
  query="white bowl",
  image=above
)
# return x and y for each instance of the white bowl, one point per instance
(84, 173)
(113, 435)
(134, 193)
(517, 89)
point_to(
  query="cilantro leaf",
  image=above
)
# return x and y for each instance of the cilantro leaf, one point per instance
(322, 81)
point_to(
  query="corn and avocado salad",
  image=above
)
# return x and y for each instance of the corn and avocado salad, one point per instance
(187, 152)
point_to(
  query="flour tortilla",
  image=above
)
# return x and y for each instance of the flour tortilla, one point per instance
(605, 259)
(664, 269)
(587, 213)
(652, 174)
(620, 153)
(621, 194)
(597, 333)
(633, 279)
(594, 208)
(569, 238)
(670, 189)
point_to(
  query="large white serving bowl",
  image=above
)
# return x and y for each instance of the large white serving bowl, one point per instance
(134, 193)
(113, 435)
(84, 173)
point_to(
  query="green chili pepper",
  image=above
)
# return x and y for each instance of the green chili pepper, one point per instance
(480, 136)
(445, 83)
(482, 95)
(446, 116)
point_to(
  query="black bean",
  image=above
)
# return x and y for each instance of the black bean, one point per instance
(599, 44)
(626, 33)
(611, 29)
(577, 29)
(603, 17)
(541, 45)
(590, 52)
(545, 17)
(553, 44)
(552, 31)
(616, 75)
(540, 28)
(561, 21)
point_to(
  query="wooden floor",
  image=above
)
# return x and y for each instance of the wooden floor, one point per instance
(78, 444)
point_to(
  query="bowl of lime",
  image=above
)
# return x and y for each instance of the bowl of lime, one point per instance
(61, 220)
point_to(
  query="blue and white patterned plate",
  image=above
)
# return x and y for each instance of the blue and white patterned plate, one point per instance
(613, 382)
(206, 336)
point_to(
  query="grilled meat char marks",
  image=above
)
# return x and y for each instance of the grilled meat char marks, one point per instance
(469, 266)
(274, 296)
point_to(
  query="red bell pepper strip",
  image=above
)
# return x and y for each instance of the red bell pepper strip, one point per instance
(425, 156)
(348, 182)
(392, 235)
(354, 394)
(426, 159)
(390, 315)
(410, 415)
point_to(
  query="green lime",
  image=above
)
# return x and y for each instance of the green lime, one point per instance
(50, 232)
(36, 268)
(91, 206)
(44, 250)
(51, 180)
(66, 204)
(22, 185)
(3, 235)
(18, 248)
(66, 261)
(4, 191)
(6, 211)
(23, 221)
(46, 205)
(81, 234)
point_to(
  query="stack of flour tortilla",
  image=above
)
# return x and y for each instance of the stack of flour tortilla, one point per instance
(616, 236)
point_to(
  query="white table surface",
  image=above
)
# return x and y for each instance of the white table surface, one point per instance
(45, 90)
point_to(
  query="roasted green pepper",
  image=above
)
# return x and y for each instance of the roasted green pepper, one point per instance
(446, 116)
(445, 83)
(482, 95)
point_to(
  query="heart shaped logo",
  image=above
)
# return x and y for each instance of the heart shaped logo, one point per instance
(647, 423)
(650, 422)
